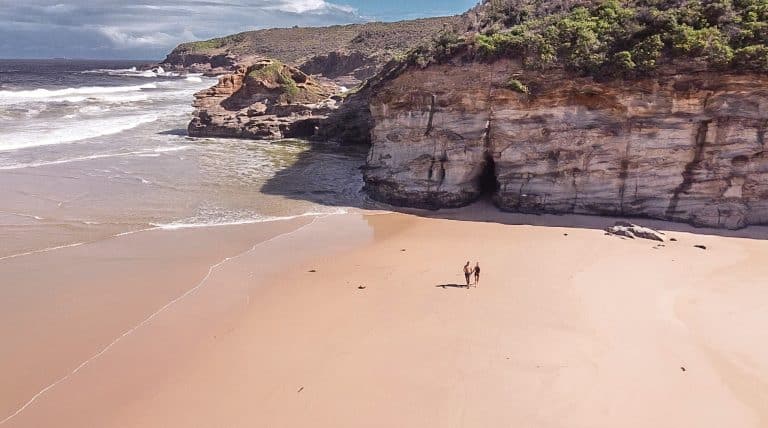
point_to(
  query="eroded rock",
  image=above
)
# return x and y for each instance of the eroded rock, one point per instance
(265, 99)
(683, 146)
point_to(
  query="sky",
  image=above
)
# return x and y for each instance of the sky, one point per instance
(149, 29)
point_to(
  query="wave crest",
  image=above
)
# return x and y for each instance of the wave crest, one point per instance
(11, 97)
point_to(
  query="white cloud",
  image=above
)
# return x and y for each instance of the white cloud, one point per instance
(123, 39)
(308, 6)
(146, 28)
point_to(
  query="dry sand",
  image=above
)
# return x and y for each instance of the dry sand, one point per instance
(567, 328)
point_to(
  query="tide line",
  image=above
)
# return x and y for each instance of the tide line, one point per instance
(43, 250)
(148, 319)
(76, 244)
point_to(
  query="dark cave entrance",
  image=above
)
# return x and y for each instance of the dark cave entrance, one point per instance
(489, 185)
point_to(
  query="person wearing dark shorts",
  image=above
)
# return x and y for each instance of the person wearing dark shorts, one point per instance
(477, 273)
(467, 273)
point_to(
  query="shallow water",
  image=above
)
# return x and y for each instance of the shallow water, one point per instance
(90, 150)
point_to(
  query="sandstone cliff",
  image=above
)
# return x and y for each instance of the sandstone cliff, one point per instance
(265, 99)
(685, 145)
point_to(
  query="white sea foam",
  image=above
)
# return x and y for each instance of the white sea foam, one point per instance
(35, 217)
(170, 149)
(44, 250)
(194, 223)
(156, 151)
(133, 72)
(13, 97)
(72, 131)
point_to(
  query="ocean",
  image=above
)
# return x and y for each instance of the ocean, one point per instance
(93, 149)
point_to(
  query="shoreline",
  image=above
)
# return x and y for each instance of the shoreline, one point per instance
(262, 340)
(17, 268)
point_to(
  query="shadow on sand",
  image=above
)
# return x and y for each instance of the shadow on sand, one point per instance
(329, 174)
(452, 286)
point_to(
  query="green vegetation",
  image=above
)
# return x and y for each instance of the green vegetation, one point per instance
(289, 86)
(277, 72)
(271, 71)
(206, 45)
(613, 38)
(217, 44)
(517, 86)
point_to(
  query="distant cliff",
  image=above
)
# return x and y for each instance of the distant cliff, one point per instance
(346, 54)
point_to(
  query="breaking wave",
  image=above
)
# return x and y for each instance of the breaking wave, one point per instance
(13, 97)
(76, 131)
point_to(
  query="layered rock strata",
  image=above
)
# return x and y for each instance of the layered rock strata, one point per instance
(684, 146)
(263, 100)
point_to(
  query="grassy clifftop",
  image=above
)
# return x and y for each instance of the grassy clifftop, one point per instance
(299, 44)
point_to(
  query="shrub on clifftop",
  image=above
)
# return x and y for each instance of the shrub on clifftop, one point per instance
(614, 38)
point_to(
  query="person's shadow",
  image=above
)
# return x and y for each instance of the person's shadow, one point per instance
(452, 286)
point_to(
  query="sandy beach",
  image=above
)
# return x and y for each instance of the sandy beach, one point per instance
(361, 320)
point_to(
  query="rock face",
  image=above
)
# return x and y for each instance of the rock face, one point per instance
(263, 100)
(212, 64)
(685, 146)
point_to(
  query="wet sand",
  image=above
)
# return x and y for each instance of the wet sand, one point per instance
(567, 328)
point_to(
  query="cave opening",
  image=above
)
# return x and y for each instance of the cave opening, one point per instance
(489, 185)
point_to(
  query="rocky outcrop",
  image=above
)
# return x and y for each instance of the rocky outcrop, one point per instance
(686, 145)
(344, 68)
(263, 100)
(211, 64)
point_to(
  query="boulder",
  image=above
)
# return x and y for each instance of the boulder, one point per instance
(629, 230)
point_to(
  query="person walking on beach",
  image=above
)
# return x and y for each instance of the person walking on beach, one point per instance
(467, 273)
(477, 273)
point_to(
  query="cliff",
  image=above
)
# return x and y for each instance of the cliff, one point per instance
(624, 107)
(684, 145)
(347, 54)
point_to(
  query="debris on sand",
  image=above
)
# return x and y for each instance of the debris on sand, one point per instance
(703, 247)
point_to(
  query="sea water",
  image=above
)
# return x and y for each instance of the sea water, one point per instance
(90, 150)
